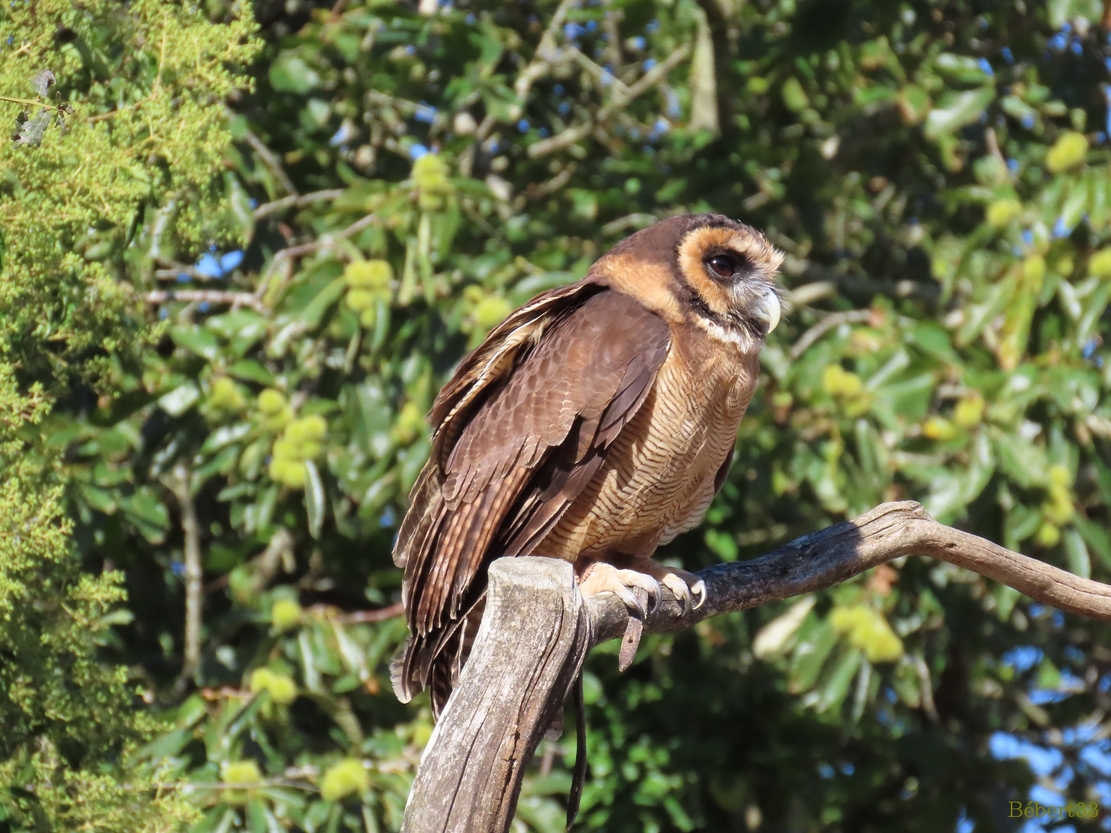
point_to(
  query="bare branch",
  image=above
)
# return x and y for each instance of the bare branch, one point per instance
(840, 552)
(327, 239)
(271, 161)
(358, 617)
(283, 258)
(297, 201)
(823, 282)
(182, 486)
(854, 316)
(654, 77)
(542, 64)
(205, 296)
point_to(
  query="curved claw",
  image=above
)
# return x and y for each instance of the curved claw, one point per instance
(698, 590)
(689, 590)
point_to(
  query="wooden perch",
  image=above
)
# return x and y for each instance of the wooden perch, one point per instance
(537, 630)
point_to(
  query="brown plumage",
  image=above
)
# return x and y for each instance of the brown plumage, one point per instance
(594, 424)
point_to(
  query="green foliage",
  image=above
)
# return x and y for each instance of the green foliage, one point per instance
(126, 125)
(126, 180)
(936, 176)
(65, 713)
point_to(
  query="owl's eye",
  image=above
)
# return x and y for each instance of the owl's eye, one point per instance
(724, 265)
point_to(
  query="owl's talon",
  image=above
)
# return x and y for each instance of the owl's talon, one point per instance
(603, 578)
(629, 599)
(689, 590)
(698, 589)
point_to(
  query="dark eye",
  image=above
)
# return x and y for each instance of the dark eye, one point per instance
(724, 266)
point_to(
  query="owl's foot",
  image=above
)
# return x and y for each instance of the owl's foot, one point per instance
(644, 573)
(605, 578)
(639, 585)
(689, 589)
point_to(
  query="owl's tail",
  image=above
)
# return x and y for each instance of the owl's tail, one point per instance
(433, 661)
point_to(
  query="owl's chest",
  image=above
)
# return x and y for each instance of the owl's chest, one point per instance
(676, 445)
(658, 476)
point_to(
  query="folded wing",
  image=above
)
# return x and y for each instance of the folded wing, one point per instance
(519, 431)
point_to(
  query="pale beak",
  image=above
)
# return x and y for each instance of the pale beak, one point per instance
(771, 310)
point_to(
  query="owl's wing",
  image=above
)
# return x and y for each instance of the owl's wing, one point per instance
(519, 432)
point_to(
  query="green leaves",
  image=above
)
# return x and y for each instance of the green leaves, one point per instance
(955, 110)
(290, 74)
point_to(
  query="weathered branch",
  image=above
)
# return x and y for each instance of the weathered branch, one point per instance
(205, 296)
(519, 674)
(840, 552)
(537, 629)
(194, 590)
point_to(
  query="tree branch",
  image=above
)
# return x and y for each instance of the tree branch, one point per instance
(194, 589)
(297, 201)
(271, 161)
(205, 296)
(521, 667)
(822, 282)
(836, 554)
(655, 76)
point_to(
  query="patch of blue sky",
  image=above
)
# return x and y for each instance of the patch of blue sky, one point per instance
(1043, 761)
(1023, 657)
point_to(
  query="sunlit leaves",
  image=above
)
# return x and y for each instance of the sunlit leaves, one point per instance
(1067, 152)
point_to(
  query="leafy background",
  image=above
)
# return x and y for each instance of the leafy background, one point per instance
(235, 279)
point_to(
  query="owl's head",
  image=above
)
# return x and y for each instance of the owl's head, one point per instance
(701, 269)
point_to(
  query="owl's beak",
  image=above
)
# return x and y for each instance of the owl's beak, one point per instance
(770, 310)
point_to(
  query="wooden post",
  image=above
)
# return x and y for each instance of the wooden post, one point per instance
(532, 642)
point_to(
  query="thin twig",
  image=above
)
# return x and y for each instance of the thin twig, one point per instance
(34, 102)
(205, 296)
(543, 189)
(271, 161)
(541, 64)
(824, 282)
(544, 60)
(620, 100)
(358, 617)
(326, 240)
(297, 201)
(182, 486)
(993, 146)
(635, 221)
(286, 256)
(836, 319)
(264, 566)
(172, 270)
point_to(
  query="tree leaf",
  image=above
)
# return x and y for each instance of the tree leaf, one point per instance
(954, 110)
(315, 504)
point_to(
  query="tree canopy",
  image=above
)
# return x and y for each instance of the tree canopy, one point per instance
(245, 246)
